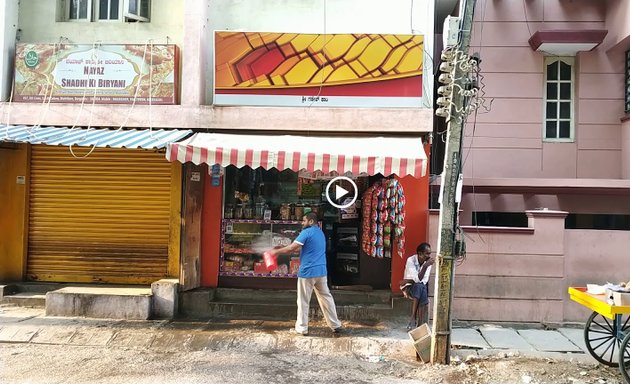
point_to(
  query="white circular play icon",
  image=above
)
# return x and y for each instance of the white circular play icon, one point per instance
(340, 192)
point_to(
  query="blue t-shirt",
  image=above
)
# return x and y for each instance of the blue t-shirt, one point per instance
(313, 254)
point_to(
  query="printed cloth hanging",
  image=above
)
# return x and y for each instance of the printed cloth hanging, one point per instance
(383, 222)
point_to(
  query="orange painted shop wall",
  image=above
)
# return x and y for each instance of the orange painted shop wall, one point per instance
(416, 221)
(211, 232)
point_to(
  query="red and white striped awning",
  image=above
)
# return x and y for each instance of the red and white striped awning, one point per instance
(370, 155)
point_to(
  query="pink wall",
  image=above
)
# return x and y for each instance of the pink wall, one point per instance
(625, 144)
(508, 141)
(511, 274)
(593, 257)
(617, 16)
(522, 274)
(575, 203)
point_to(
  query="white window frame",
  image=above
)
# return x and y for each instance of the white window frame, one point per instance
(67, 12)
(136, 17)
(97, 11)
(93, 12)
(571, 62)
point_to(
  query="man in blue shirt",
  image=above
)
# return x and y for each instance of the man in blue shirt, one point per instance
(311, 243)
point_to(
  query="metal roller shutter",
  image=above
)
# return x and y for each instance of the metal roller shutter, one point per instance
(102, 218)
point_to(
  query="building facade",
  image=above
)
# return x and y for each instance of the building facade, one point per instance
(112, 209)
(550, 143)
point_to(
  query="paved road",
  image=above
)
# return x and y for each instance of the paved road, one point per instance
(30, 325)
(40, 349)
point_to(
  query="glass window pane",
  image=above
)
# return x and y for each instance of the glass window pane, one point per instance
(565, 71)
(74, 6)
(83, 10)
(133, 7)
(102, 9)
(565, 110)
(565, 91)
(144, 8)
(550, 130)
(113, 9)
(552, 91)
(552, 110)
(552, 71)
(565, 130)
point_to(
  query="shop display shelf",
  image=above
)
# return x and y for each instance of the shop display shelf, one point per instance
(255, 221)
(254, 274)
(245, 234)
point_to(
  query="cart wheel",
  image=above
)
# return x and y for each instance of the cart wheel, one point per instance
(600, 337)
(624, 358)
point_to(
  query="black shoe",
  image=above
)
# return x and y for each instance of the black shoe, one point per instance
(338, 330)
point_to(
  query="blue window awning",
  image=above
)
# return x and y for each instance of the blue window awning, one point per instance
(87, 137)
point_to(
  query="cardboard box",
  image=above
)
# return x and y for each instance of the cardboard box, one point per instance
(621, 299)
(421, 338)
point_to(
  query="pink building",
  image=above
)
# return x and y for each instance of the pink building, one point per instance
(556, 137)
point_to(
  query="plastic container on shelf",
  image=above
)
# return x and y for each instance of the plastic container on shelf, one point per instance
(228, 212)
(248, 212)
(260, 210)
(238, 212)
(285, 212)
(299, 211)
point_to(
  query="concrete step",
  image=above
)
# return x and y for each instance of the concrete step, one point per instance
(278, 304)
(37, 287)
(290, 296)
(26, 299)
(278, 311)
(26, 294)
(100, 302)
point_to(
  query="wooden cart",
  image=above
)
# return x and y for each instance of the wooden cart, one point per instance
(607, 330)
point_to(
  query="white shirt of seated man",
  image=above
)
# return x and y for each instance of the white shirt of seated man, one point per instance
(412, 269)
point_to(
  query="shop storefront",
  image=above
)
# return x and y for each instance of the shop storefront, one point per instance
(255, 206)
(97, 214)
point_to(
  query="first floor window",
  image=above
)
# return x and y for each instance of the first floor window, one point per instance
(559, 89)
(109, 9)
(138, 10)
(79, 9)
(106, 10)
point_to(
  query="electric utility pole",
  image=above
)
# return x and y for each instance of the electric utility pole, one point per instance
(441, 341)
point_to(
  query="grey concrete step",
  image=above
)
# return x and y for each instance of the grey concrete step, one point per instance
(100, 302)
(25, 294)
(263, 311)
(279, 304)
(26, 299)
(37, 287)
(341, 296)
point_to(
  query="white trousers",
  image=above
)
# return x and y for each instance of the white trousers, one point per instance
(305, 287)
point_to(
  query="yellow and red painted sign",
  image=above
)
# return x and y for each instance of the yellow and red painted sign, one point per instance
(336, 70)
(104, 74)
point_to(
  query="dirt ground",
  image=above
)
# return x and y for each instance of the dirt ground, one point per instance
(52, 364)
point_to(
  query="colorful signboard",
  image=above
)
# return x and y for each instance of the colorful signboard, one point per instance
(339, 70)
(104, 74)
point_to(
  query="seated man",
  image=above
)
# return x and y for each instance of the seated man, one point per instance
(414, 285)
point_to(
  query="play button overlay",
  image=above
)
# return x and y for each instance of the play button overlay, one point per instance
(341, 192)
